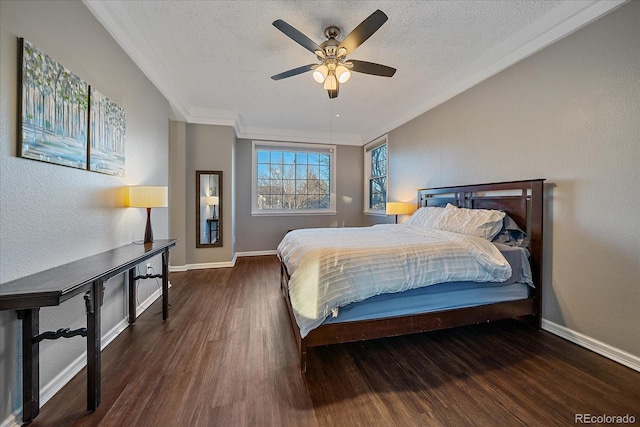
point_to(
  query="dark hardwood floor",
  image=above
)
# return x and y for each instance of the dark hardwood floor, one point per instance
(226, 357)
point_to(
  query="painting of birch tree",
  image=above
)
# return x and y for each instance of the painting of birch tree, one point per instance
(108, 125)
(54, 110)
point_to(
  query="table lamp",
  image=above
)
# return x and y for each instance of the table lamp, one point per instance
(142, 196)
(398, 208)
(212, 201)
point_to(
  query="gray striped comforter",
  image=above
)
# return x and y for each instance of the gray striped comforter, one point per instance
(333, 267)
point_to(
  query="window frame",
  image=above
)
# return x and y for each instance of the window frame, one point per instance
(293, 147)
(368, 149)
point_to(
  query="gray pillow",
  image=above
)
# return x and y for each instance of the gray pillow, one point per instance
(511, 234)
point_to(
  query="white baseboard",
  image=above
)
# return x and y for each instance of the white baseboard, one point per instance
(204, 265)
(13, 420)
(257, 253)
(60, 380)
(224, 264)
(201, 266)
(624, 358)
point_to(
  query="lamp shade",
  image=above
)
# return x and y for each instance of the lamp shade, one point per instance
(320, 73)
(398, 208)
(212, 200)
(141, 196)
(342, 73)
(331, 83)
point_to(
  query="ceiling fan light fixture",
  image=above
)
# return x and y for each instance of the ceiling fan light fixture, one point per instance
(331, 83)
(332, 67)
(320, 73)
(342, 73)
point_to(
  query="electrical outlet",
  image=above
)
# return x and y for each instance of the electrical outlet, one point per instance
(149, 269)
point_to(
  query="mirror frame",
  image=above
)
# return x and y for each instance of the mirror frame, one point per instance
(218, 243)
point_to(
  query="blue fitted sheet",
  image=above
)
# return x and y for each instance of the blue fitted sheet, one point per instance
(442, 296)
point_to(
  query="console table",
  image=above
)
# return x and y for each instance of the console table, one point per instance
(54, 286)
(214, 225)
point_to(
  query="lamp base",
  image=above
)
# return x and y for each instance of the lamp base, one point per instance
(148, 232)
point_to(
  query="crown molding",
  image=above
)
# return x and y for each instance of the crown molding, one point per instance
(115, 19)
(296, 135)
(562, 21)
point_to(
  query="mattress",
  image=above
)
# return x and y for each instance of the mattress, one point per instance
(442, 296)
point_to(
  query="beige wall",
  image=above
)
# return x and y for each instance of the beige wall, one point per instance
(263, 233)
(49, 214)
(569, 114)
(208, 148)
(178, 191)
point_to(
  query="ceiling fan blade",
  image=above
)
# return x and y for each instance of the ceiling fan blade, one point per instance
(372, 68)
(363, 31)
(296, 35)
(294, 72)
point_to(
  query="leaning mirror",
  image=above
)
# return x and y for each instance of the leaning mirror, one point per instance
(208, 208)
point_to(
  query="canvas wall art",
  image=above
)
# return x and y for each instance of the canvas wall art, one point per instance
(53, 119)
(108, 125)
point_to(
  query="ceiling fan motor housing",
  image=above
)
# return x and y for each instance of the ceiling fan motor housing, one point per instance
(332, 32)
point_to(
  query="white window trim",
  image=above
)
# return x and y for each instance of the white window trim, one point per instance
(331, 149)
(367, 174)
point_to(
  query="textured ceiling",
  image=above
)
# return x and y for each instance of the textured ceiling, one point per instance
(213, 59)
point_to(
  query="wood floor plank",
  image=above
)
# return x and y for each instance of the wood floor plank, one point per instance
(227, 357)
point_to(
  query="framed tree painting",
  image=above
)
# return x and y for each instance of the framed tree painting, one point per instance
(53, 104)
(106, 140)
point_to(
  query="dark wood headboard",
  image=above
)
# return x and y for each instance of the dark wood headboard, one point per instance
(521, 200)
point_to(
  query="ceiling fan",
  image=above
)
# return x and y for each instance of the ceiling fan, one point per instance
(334, 68)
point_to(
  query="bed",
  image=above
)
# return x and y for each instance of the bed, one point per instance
(411, 278)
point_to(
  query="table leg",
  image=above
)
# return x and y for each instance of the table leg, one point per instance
(132, 296)
(94, 303)
(165, 284)
(30, 364)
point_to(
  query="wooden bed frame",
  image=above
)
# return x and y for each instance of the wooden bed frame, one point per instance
(521, 200)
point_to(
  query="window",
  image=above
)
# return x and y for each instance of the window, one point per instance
(293, 178)
(376, 174)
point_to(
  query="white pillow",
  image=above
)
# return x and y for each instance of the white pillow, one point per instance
(475, 222)
(425, 217)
